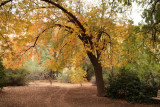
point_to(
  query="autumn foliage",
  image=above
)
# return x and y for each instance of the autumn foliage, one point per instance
(72, 33)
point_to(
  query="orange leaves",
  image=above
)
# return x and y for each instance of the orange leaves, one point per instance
(13, 62)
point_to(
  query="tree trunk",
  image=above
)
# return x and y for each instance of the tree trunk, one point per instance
(98, 74)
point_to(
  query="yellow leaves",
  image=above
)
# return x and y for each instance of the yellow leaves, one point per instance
(78, 75)
(139, 36)
(92, 13)
(51, 64)
(119, 64)
(64, 40)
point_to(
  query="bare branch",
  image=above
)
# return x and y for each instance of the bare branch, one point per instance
(35, 42)
(61, 49)
(45, 7)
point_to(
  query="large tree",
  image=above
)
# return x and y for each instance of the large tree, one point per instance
(99, 32)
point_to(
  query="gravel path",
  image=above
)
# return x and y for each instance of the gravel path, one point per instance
(42, 94)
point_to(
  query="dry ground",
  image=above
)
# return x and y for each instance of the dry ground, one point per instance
(42, 94)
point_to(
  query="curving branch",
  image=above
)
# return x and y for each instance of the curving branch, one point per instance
(45, 7)
(5, 2)
(99, 35)
(86, 39)
(107, 35)
(63, 26)
(69, 14)
(154, 6)
(104, 40)
(35, 42)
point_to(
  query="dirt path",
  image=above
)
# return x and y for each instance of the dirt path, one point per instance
(42, 94)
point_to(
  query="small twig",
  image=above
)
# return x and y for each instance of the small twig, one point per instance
(68, 14)
(35, 43)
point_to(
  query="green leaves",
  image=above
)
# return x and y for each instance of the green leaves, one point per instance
(127, 85)
(2, 76)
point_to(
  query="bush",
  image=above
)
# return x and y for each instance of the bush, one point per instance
(126, 85)
(63, 77)
(2, 76)
(36, 75)
(16, 77)
(90, 71)
(2, 79)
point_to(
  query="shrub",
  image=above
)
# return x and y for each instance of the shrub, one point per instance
(126, 85)
(2, 79)
(63, 77)
(151, 78)
(106, 74)
(16, 77)
(36, 75)
(2, 76)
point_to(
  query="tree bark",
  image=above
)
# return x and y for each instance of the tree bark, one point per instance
(98, 74)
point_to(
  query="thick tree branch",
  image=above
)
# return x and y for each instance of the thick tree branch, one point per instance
(69, 14)
(99, 35)
(86, 39)
(153, 26)
(104, 41)
(67, 27)
(5, 2)
(154, 6)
